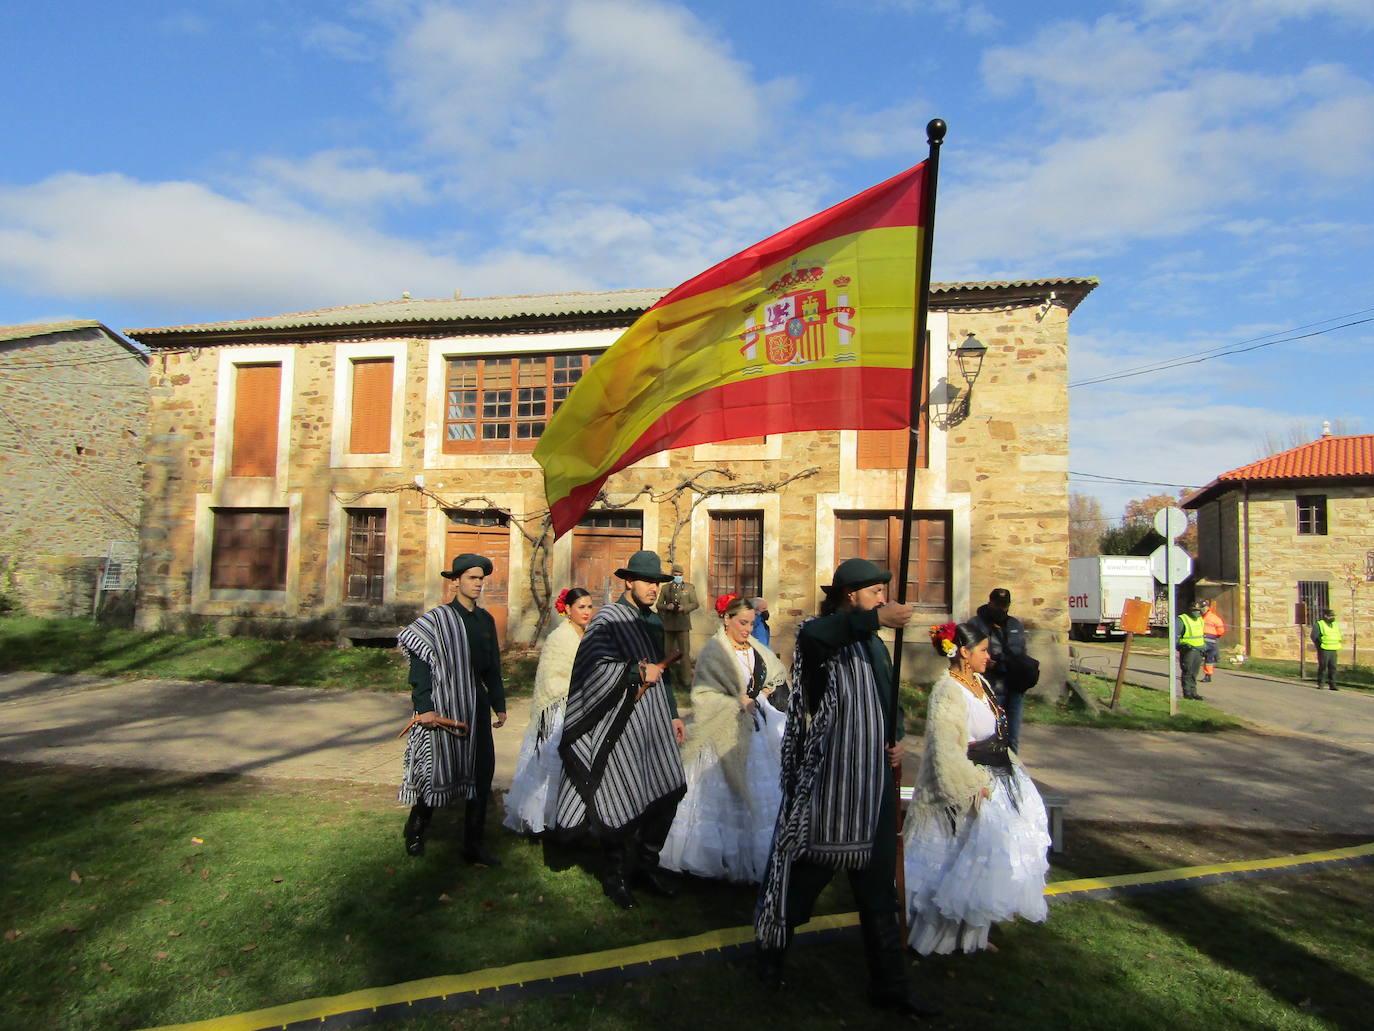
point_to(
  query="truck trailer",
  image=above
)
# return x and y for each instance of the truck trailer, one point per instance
(1099, 587)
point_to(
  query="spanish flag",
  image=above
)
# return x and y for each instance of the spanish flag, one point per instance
(808, 330)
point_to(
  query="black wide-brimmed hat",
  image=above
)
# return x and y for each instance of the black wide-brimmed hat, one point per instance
(855, 573)
(644, 565)
(464, 562)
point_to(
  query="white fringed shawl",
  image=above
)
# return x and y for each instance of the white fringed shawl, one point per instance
(949, 783)
(555, 669)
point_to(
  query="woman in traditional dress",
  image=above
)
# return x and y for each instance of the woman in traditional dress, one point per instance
(724, 824)
(532, 799)
(976, 832)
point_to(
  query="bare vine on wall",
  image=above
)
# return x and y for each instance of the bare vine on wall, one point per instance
(537, 528)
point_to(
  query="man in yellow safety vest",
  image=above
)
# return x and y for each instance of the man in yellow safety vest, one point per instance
(1190, 648)
(1326, 635)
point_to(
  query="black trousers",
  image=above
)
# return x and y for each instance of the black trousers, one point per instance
(1326, 666)
(1189, 662)
(640, 848)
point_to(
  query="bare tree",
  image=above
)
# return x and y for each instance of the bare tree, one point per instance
(1087, 523)
(1296, 434)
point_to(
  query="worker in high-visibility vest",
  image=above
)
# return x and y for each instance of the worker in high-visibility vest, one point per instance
(1191, 643)
(1326, 635)
(1213, 630)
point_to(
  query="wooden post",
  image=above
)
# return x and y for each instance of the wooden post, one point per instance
(1121, 670)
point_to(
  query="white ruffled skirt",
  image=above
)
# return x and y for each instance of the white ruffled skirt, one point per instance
(717, 833)
(532, 801)
(990, 867)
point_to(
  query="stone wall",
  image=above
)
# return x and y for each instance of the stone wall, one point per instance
(1002, 474)
(71, 439)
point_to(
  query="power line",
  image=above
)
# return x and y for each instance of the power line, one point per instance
(1197, 357)
(1119, 479)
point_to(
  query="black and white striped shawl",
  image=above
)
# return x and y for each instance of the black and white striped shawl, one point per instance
(833, 779)
(619, 756)
(438, 766)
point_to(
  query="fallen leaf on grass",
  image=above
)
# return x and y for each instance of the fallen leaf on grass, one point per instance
(445, 897)
(488, 906)
(197, 841)
(76, 877)
(173, 934)
(162, 902)
(249, 948)
(161, 955)
(222, 972)
(390, 871)
(70, 929)
(276, 880)
(205, 874)
(107, 968)
(12, 935)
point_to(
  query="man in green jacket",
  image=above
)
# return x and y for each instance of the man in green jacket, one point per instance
(455, 674)
(1326, 635)
(1192, 644)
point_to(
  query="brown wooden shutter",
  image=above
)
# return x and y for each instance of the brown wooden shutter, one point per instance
(371, 413)
(257, 396)
(882, 449)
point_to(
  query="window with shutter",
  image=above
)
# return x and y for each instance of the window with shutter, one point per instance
(370, 415)
(877, 536)
(737, 554)
(249, 549)
(365, 573)
(257, 399)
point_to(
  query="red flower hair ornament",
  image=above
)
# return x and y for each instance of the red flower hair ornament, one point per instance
(562, 603)
(723, 603)
(942, 639)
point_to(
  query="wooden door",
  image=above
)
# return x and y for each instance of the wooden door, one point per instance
(601, 544)
(482, 533)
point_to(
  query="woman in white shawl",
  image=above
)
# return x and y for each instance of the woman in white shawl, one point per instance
(976, 833)
(532, 801)
(724, 824)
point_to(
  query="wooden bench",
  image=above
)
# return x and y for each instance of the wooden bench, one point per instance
(1054, 806)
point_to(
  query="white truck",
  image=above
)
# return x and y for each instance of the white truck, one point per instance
(1098, 589)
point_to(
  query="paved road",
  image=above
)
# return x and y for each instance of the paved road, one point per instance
(1317, 780)
(1344, 718)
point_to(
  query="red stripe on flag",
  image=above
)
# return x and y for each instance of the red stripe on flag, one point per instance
(807, 399)
(896, 202)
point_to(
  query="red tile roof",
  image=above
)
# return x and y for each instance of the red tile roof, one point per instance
(1325, 458)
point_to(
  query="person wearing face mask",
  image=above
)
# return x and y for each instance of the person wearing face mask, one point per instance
(976, 832)
(677, 600)
(761, 631)
(724, 823)
(532, 801)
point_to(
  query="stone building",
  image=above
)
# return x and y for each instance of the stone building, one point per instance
(73, 402)
(1294, 527)
(317, 470)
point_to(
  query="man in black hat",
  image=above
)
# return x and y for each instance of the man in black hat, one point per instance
(623, 774)
(1011, 672)
(455, 675)
(839, 810)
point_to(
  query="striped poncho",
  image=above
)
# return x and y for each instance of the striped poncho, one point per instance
(619, 755)
(833, 778)
(439, 767)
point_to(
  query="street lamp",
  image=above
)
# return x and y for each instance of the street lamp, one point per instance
(970, 354)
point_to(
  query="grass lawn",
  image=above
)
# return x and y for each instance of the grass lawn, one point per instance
(81, 646)
(134, 899)
(1359, 676)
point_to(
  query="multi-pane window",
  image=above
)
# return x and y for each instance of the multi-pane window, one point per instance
(365, 572)
(737, 554)
(1314, 594)
(877, 536)
(249, 549)
(503, 404)
(1312, 514)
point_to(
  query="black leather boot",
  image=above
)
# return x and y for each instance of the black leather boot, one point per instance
(768, 964)
(414, 832)
(615, 877)
(474, 830)
(651, 837)
(888, 987)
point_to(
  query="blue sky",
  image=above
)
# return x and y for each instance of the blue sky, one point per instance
(169, 163)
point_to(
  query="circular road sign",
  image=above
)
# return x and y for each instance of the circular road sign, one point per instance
(1170, 522)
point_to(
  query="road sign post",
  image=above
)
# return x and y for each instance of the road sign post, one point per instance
(1170, 564)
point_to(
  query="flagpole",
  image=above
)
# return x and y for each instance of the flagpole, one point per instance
(920, 358)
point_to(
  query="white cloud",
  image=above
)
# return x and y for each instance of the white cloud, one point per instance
(109, 236)
(340, 41)
(973, 17)
(616, 92)
(343, 178)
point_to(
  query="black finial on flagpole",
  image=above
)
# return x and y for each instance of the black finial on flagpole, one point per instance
(935, 131)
